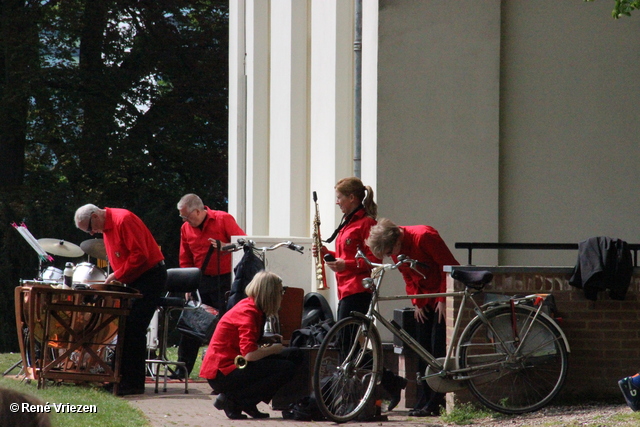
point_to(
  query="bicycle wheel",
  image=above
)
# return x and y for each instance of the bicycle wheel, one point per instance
(511, 370)
(347, 369)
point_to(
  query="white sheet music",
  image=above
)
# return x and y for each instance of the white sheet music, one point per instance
(24, 232)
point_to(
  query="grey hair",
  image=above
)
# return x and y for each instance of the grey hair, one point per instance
(191, 202)
(382, 237)
(84, 212)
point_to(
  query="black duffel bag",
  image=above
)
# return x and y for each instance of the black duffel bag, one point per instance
(199, 322)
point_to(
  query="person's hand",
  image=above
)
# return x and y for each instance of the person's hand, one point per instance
(270, 339)
(314, 250)
(214, 244)
(441, 311)
(338, 265)
(420, 314)
(110, 278)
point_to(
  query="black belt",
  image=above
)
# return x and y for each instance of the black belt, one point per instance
(158, 265)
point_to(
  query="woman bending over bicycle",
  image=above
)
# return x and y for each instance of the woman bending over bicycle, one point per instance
(355, 200)
(423, 244)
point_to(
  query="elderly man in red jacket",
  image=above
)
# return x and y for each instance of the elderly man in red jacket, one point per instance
(136, 260)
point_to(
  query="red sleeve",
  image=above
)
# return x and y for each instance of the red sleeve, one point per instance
(248, 332)
(435, 249)
(231, 227)
(134, 236)
(186, 256)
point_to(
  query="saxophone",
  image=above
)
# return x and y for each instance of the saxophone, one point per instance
(321, 278)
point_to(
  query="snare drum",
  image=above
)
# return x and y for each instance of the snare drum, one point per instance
(51, 273)
(85, 272)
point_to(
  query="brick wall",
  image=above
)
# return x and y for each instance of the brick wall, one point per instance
(604, 335)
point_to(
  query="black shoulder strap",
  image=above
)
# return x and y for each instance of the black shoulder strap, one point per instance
(208, 256)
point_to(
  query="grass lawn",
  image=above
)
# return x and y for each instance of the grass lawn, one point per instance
(111, 411)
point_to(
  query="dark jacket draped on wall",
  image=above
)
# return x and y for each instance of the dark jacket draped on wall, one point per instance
(603, 263)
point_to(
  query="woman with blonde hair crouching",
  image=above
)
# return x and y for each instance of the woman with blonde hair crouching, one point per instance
(239, 365)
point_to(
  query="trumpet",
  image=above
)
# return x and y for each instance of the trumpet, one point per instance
(321, 278)
(240, 362)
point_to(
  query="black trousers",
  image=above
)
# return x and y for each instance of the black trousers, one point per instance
(360, 302)
(432, 335)
(133, 363)
(356, 302)
(259, 381)
(189, 346)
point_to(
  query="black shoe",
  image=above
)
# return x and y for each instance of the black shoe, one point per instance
(427, 411)
(394, 390)
(176, 376)
(254, 412)
(220, 402)
(230, 409)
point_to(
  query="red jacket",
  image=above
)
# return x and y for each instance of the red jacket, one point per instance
(237, 333)
(194, 242)
(424, 244)
(130, 247)
(352, 236)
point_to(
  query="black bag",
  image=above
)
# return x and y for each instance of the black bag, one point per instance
(199, 323)
(312, 335)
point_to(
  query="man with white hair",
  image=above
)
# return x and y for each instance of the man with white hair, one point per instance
(136, 260)
(200, 233)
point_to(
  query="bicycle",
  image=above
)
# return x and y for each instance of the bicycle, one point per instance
(273, 322)
(512, 356)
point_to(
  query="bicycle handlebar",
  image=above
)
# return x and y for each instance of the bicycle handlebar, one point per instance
(402, 259)
(251, 244)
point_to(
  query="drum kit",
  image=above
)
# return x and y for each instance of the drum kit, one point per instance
(82, 274)
(68, 320)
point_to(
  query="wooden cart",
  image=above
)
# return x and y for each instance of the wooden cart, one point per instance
(72, 335)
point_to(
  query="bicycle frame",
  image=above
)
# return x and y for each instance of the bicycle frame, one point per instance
(448, 366)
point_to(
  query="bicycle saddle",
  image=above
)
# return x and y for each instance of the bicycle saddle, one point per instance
(473, 278)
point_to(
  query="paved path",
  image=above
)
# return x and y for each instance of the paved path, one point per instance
(175, 408)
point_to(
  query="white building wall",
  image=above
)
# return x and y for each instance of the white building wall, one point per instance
(570, 139)
(497, 121)
(296, 134)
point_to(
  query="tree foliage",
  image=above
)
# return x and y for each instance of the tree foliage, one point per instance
(119, 103)
(624, 8)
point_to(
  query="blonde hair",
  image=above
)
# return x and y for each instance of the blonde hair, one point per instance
(383, 237)
(266, 291)
(353, 185)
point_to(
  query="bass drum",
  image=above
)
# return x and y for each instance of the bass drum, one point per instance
(85, 272)
(51, 273)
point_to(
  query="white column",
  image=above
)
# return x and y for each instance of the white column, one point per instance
(237, 108)
(288, 173)
(257, 133)
(369, 92)
(331, 144)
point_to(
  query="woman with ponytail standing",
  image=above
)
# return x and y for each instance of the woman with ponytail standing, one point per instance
(356, 202)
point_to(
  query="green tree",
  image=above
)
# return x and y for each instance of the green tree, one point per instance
(624, 8)
(115, 102)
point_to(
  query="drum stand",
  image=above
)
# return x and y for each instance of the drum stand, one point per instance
(14, 366)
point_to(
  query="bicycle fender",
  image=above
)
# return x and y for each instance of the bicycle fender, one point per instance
(553, 322)
(563, 337)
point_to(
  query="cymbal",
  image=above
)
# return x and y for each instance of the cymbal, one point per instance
(95, 248)
(61, 248)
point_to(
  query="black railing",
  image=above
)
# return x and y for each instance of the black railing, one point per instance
(470, 246)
